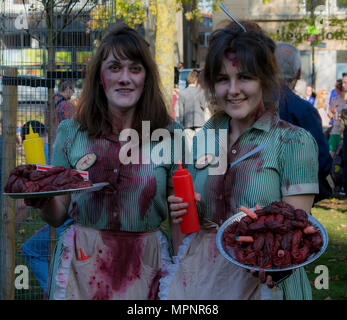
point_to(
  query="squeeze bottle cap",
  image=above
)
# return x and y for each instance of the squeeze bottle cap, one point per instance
(31, 134)
(180, 171)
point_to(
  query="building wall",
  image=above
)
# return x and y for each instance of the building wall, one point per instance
(330, 58)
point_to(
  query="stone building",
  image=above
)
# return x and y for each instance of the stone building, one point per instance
(328, 57)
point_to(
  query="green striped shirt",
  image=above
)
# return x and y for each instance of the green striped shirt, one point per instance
(287, 165)
(136, 198)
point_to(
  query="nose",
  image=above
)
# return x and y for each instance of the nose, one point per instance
(124, 76)
(234, 88)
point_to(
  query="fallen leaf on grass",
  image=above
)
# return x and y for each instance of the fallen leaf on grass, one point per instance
(332, 260)
(327, 298)
(336, 278)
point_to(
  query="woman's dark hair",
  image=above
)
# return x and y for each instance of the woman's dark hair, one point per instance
(37, 127)
(92, 110)
(255, 55)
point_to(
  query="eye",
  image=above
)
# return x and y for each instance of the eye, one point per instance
(221, 78)
(136, 68)
(243, 76)
(115, 67)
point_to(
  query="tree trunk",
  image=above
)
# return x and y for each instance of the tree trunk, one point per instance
(164, 46)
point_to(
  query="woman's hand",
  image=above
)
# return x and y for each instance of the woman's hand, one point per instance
(38, 203)
(53, 210)
(271, 278)
(178, 207)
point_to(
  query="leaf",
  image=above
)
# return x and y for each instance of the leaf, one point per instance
(327, 298)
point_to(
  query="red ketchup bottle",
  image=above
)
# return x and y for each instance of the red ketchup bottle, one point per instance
(183, 188)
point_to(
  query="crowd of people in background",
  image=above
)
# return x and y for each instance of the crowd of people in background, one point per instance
(332, 110)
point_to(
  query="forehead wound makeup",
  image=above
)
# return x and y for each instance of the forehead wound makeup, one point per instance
(231, 55)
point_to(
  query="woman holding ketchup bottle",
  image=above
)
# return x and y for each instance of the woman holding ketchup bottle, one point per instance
(241, 79)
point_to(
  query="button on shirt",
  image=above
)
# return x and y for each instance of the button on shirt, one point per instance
(288, 165)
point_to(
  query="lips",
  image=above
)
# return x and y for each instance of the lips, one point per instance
(124, 90)
(236, 101)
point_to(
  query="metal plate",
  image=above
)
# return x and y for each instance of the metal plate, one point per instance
(231, 257)
(47, 194)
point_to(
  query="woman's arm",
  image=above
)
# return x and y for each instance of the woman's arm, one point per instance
(54, 210)
(302, 201)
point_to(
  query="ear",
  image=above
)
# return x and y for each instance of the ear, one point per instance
(298, 75)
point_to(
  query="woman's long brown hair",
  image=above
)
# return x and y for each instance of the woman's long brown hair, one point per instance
(92, 110)
(255, 54)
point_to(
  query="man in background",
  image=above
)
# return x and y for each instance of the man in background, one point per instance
(343, 128)
(63, 106)
(192, 106)
(300, 112)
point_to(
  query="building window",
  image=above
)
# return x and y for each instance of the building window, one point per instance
(206, 23)
(312, 4)
(17, 40)
(203, 39)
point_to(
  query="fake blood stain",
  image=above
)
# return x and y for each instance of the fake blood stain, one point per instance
(146, 196)
(117, 267)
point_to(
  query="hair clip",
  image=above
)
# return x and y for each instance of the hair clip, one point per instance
(231, 17)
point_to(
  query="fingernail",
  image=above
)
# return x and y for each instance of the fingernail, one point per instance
(315, 228)
(237, 238)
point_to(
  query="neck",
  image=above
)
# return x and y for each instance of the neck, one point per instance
(121, 119)
(237, 128)
(292, 84)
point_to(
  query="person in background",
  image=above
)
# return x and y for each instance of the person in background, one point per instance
(18, 132)
(177, 73)
(114, 247)
(308, 95)
(343, 131)
(241, 76)
(299, 112)
(192, 106)
(200, 84)
(321, 104)
(63, 106)
(336, 107)
(333, 93)
(175, 111)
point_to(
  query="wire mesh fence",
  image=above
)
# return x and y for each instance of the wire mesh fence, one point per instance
(44, 49)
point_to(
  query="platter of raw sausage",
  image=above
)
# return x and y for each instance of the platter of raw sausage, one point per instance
(273, 238)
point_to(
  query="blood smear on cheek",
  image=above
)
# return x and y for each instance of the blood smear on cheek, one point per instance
(104, 81)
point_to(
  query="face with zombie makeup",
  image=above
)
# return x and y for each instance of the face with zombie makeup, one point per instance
(123, 81)
(238, 93)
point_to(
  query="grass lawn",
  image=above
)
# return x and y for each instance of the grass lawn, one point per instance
(333, 215)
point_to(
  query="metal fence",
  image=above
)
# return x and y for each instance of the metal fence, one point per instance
(42, 43)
